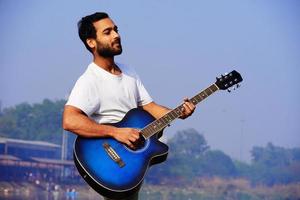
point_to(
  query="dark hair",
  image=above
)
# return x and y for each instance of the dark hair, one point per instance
(86, 28)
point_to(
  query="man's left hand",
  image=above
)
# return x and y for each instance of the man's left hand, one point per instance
(188, 108)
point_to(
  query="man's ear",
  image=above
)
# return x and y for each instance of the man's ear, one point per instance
(91, 42)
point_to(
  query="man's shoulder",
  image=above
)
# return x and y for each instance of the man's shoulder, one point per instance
(87, 77)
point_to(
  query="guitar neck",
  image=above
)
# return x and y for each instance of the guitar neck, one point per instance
(165, 120)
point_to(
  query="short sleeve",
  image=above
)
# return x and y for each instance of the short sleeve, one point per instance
(83, 96)
(143, 95)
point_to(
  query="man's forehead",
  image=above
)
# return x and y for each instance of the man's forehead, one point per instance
(104, 24)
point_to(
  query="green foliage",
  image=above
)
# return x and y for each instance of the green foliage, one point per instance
(271, 156)
(188, 143)
(243, 169)
(217, 163)
(274, 165)
(33, 122)
(190, 157)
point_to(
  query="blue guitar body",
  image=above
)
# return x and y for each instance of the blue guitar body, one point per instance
(95, 158)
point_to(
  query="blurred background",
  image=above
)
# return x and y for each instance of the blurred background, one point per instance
(178, 49)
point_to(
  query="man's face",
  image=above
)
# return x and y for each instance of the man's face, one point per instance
(108, 39)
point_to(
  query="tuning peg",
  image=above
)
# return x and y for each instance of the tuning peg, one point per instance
(236, 86)
(229, 90)
(220, 78)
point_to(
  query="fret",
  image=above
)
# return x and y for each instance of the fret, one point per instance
(198, 98)
(149, 132)
(216, 87)
(154, 126)
(210, 89)
(203, 95)
(164, 120)
(171, 115)
(194, 101)
(151, 129)
(207, 91)
(159, 123)
(145, 132)
(168, 119)
(177, 111)
(174, 115)
(213, 88)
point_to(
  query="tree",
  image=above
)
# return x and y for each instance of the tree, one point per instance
(217, 163)
(188, 143)
(33, 122)
(271, 156)
(185, 149)
(190, 157)
(273, 164)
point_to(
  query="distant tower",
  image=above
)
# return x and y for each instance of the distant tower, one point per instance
(64, 145)
(64, 151)
(242, 140)
(0, 106)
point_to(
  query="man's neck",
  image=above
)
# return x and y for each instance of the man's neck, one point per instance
(107, 64)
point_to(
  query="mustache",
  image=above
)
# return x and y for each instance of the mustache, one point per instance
(117, 41)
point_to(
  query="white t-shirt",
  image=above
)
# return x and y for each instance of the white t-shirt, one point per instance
(106, 97)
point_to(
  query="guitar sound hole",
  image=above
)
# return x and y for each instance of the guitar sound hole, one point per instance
(139, 144)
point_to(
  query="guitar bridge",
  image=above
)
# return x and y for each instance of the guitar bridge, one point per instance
(113, 154)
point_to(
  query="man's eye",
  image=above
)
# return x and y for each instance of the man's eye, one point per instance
(106, 32)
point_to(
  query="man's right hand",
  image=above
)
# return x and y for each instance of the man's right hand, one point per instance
(128, 136)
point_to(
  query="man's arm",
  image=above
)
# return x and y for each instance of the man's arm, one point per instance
(156, 110)
(76, 121)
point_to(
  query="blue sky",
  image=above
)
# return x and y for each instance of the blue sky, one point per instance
(178, 48)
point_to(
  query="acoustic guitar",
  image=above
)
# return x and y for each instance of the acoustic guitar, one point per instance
(116, 171)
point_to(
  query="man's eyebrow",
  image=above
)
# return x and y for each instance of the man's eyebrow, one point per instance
(110, 28)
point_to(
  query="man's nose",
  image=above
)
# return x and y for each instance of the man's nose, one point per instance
(116, 34)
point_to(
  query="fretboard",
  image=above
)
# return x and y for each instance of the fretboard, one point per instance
(165, 120)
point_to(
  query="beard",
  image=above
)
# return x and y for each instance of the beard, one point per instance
(106, 50)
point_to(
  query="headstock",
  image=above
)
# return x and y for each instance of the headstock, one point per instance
(226, 81)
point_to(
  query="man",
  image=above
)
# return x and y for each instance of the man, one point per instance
(107, 91)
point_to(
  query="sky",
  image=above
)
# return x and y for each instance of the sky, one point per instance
(178, 48)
